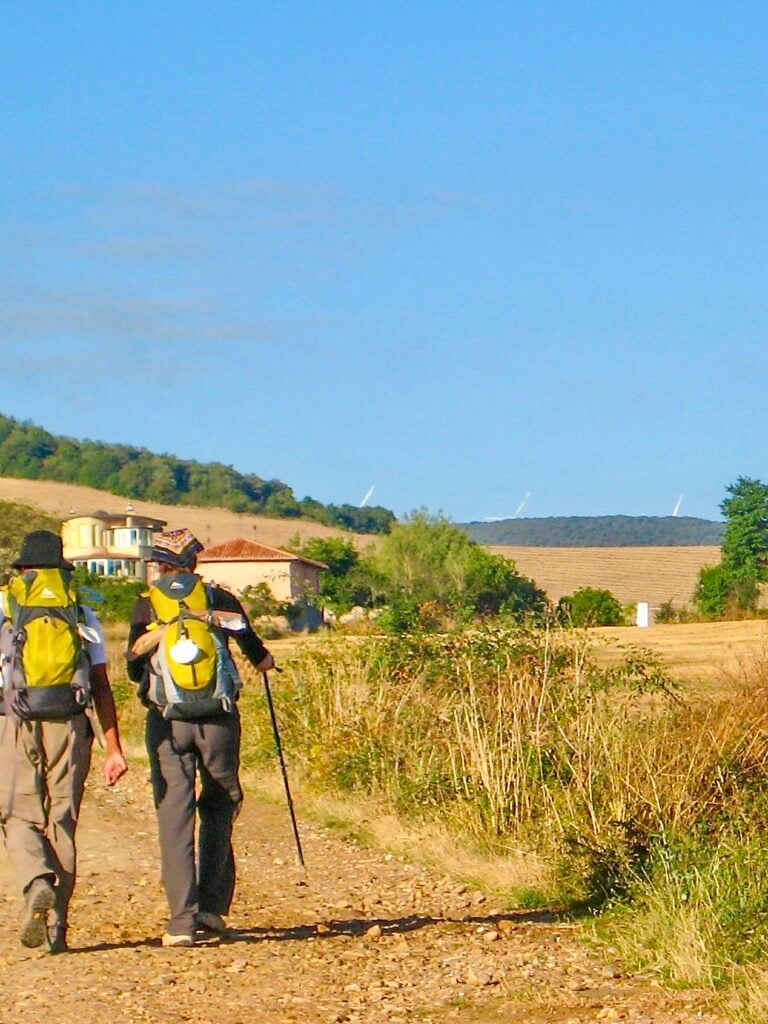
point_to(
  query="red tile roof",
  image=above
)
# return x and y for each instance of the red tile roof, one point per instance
(242, 550)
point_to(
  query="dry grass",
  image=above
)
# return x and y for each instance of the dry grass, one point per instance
(719, 657)
(431, 845)
(211, 525)
(747, 1001)
(631, 574)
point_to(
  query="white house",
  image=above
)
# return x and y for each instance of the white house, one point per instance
(110, 544)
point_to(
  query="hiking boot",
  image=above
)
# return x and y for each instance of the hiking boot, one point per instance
(57, 938)
(178, 940)
(208, 922)
(38, 900)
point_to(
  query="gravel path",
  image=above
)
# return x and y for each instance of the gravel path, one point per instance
(369, 939)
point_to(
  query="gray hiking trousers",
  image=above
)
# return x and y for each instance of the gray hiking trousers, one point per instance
(43, 767)
(185, 757)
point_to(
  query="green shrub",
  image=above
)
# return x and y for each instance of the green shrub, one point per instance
(591, 606)
(113, 597)
(666, 613)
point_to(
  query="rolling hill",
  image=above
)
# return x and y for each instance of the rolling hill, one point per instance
(211, 525)
(598, 531)
(652, 574)
(33, 453)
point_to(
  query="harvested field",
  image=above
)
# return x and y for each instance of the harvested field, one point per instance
(714, 657)
(647, 574)
(211, 525)
(632, 574)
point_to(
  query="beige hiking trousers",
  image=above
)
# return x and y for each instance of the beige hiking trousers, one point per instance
(43, 767)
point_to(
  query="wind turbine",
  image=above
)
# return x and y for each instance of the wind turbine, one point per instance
(368, 496)
(522, 505)
(518, 510)
(677, 506)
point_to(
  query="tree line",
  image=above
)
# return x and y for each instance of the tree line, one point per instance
(425, 574)
(598, 531)
(32, 453)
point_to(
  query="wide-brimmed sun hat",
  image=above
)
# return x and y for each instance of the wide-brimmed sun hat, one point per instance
(42, 549)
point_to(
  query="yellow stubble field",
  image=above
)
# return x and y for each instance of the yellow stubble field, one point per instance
(708, 657)
(652, 574)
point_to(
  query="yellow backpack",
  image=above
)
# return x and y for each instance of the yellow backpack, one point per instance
(191, 673)
(45, 668)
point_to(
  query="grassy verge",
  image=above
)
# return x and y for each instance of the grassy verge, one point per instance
(508, 758)
(515, 879)
(626, 800)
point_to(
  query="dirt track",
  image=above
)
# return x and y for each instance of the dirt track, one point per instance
(370, 938)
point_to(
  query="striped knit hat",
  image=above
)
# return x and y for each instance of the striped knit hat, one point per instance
(176, 547)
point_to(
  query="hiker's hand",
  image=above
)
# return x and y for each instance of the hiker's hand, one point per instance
(266, 663)
(115, 767)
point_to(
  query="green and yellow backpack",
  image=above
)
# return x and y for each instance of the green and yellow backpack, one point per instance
(191, 673)
(45, 667)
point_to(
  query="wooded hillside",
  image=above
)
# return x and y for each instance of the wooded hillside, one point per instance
(599, 531)
(32, 453)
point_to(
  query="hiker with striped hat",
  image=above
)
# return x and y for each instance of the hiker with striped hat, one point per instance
(178, 653)
(53, 662)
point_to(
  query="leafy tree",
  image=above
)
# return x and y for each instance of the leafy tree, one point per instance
(494, 586)
(283, 504)
(426, 556)
(714, 596)
(65, 462)
(428, 561)
(733, 586)
(98, 468)
(745, 546)
(371, 519)
(346, 582)
(259, 600)
(591, 606)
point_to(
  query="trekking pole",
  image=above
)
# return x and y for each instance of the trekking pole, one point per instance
(279, 747)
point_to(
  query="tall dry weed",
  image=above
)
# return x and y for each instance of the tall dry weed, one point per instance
(637, 799)
(511, 734)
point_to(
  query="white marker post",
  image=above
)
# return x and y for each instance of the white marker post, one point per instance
(643, 614)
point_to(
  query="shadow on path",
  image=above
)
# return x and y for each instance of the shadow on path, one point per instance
(352, 928)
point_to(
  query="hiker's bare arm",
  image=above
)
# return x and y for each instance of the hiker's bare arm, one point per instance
(142, 616)
(114, 763)
(266, 663)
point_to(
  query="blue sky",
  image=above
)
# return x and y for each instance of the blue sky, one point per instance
(458, 250)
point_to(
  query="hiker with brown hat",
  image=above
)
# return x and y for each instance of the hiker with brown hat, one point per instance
(53, 661)
(178, 652)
